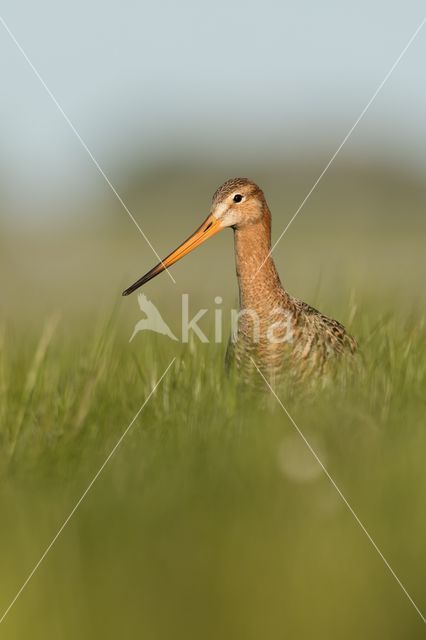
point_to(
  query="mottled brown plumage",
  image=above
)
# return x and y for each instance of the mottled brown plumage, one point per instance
(301, 340)
(274, 330)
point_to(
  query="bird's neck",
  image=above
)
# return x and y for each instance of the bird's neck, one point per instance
(258, 280)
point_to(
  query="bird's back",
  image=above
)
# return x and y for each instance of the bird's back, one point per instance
(299, 341)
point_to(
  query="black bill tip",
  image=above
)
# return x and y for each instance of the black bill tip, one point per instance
(146, 278)
(133, 287)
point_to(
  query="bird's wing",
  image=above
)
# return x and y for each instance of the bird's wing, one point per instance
(330, 332)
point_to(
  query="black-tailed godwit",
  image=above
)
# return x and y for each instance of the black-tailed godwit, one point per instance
(275, 330)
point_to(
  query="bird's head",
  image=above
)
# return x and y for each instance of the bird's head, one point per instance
(237, 203)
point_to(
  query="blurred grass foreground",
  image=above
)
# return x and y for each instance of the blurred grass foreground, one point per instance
(212, 519)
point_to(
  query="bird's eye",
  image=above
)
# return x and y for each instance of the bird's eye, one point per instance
(238, 197)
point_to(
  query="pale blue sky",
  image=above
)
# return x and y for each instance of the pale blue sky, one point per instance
(152, 79)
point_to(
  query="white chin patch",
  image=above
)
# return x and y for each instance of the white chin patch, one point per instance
(228, 217)
(220, 210)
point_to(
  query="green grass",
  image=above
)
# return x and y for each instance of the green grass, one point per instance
(212, 519)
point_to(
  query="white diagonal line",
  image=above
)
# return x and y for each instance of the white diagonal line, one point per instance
(83, 144)
(361, 525)
(84, 494)
(345, 139)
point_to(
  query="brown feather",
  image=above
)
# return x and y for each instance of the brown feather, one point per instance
(314, 341)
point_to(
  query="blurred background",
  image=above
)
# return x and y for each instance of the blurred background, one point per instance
(211, 522)
(174, 98)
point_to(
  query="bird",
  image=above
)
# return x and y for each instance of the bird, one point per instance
(276, 333)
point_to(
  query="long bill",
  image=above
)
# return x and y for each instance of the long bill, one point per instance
(208, 229)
